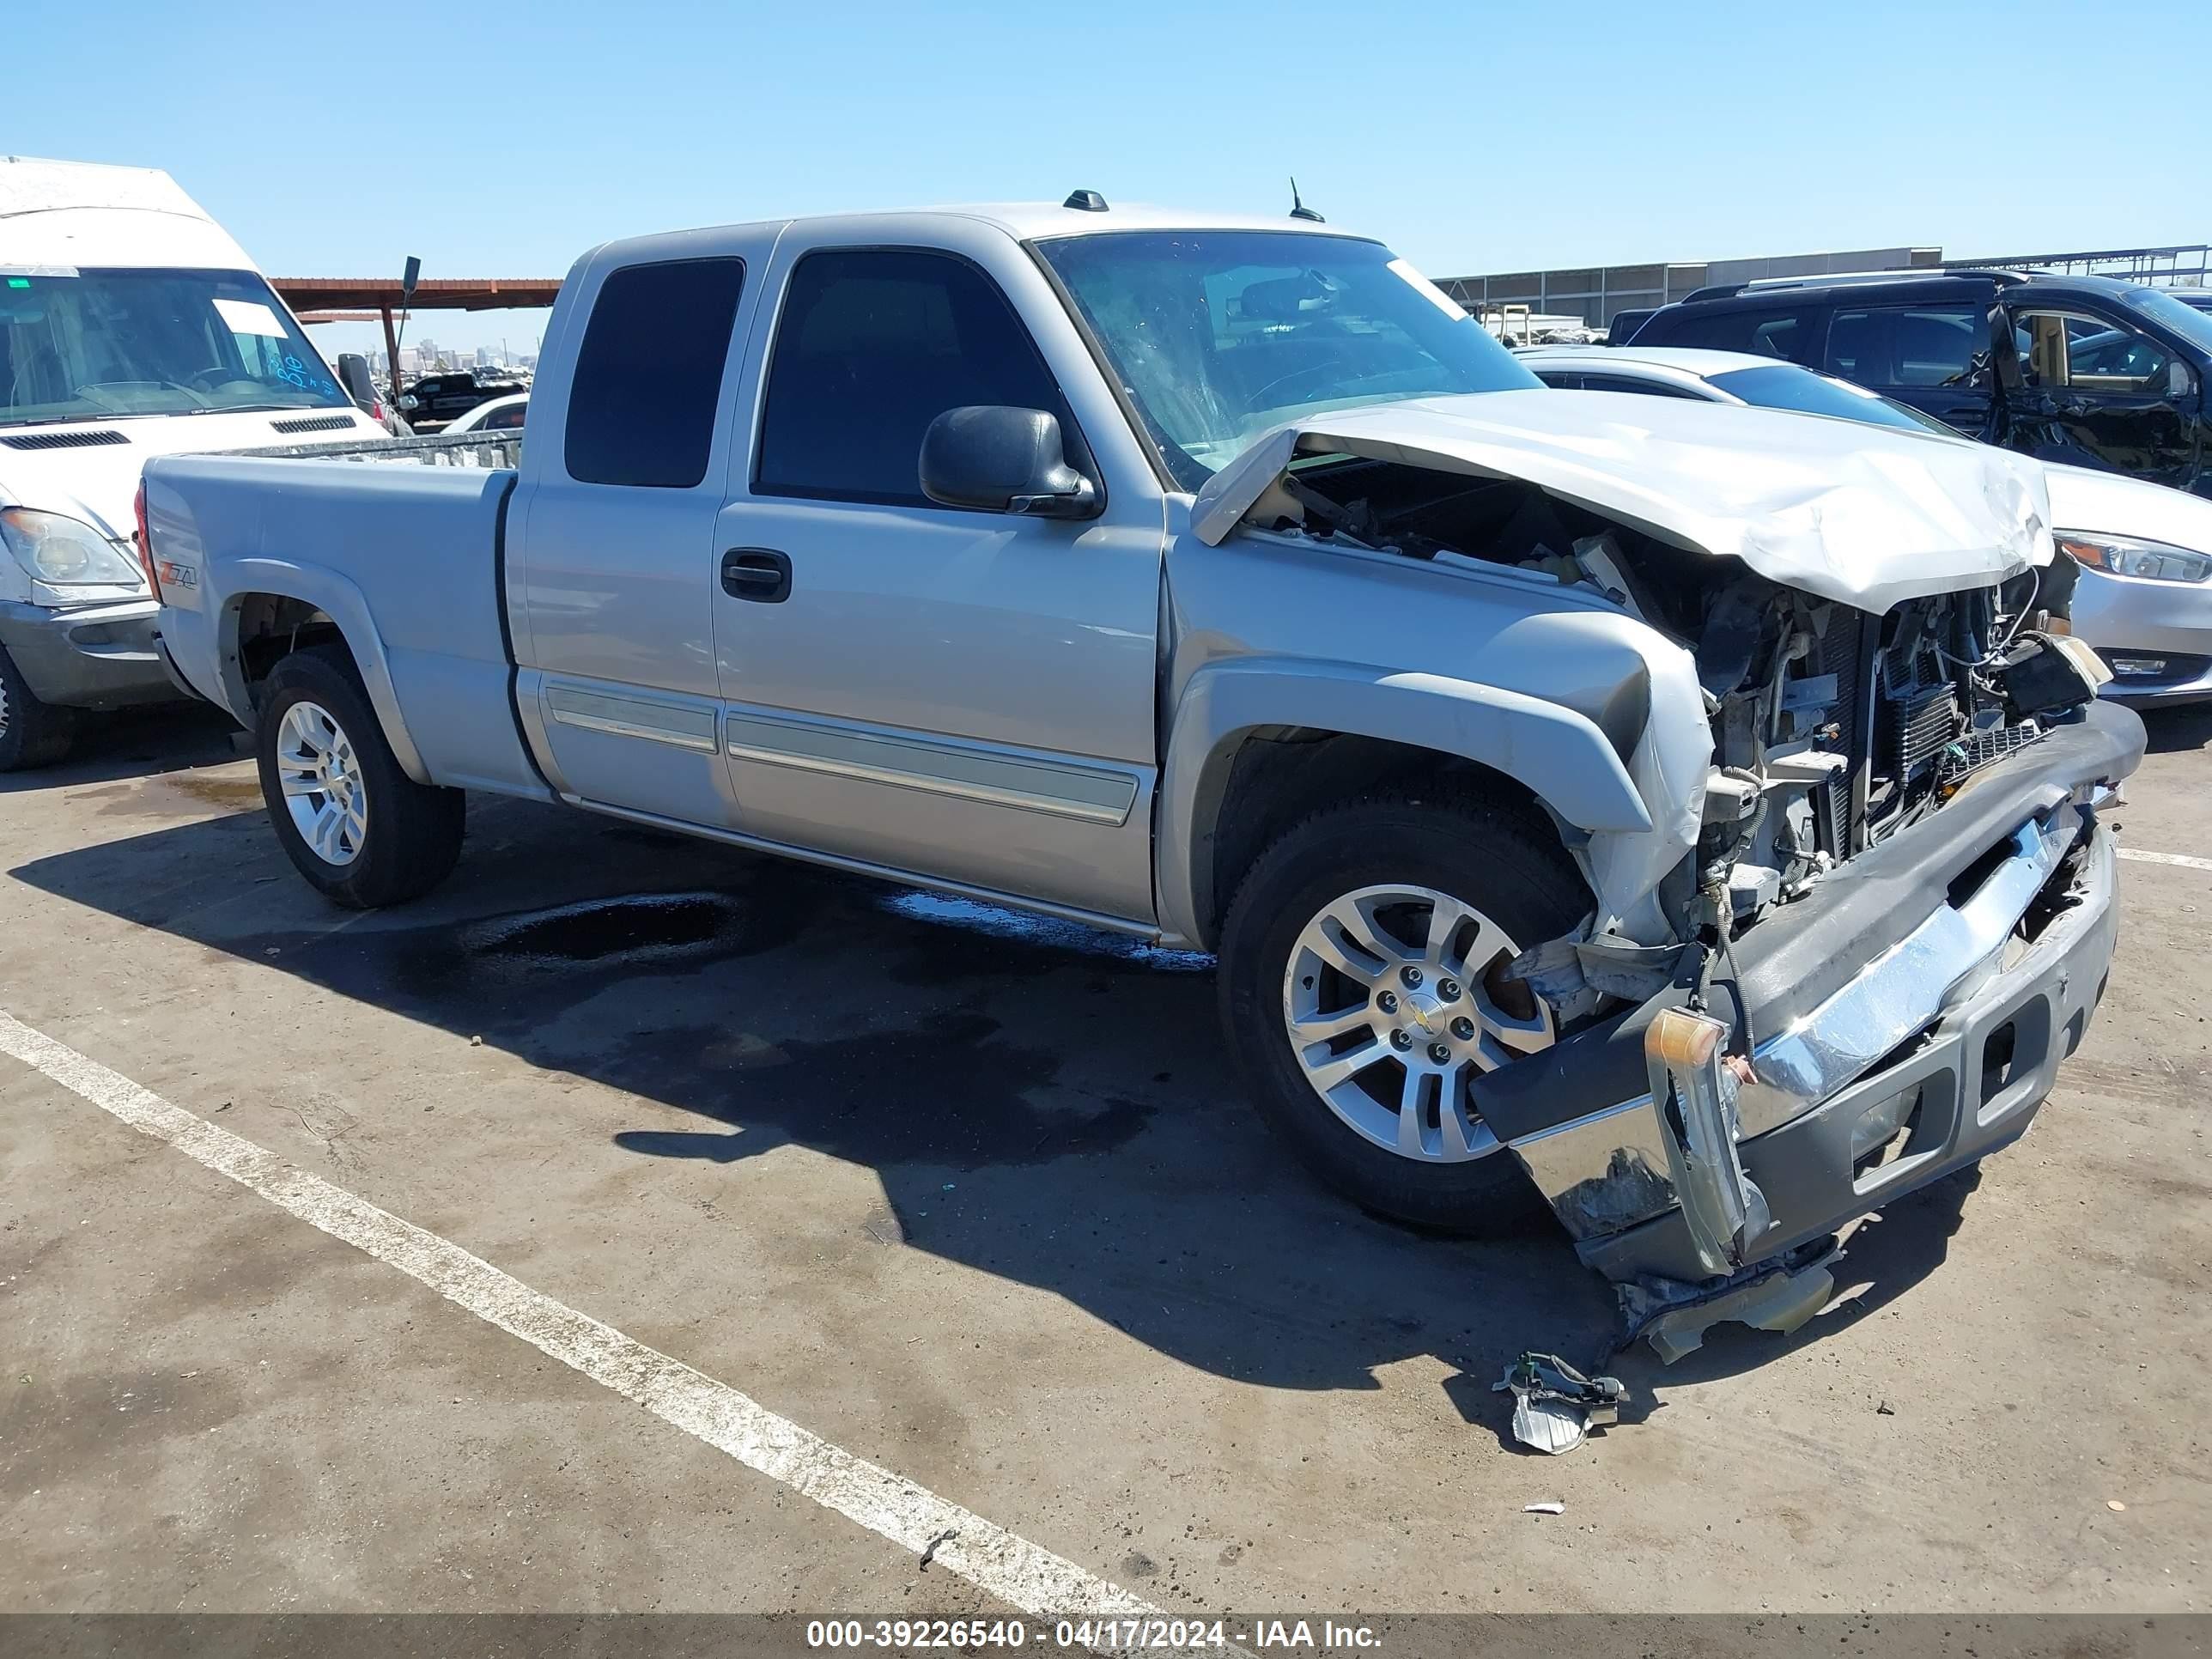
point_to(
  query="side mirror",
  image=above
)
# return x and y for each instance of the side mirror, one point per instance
(354, 376)
(997, 460)
(2178, 379)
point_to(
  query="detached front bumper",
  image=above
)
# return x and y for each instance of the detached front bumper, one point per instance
(92, 656)
(1968, 1087)
(1908, 1016)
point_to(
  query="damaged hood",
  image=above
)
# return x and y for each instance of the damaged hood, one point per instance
(1864, 514)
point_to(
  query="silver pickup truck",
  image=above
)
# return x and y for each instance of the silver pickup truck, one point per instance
(1691, 811)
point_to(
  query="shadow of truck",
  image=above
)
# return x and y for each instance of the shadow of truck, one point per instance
(1070, 1082)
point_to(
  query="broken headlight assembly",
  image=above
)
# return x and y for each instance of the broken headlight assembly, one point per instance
(2128, 555)
(64, 552)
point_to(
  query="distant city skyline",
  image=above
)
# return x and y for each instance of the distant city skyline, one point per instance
(479, 330)
(431, 356)
(1472, 139)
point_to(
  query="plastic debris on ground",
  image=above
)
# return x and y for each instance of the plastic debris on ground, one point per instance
(1555, 1405)
(1779, 1297)
(1543, 1508)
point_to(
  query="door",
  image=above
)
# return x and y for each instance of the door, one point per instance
(1933, 354)
(965, 695)
(2098, 391)
(611, 544)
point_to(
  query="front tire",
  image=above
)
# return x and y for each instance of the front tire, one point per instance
(1362, 985)
(362, 832)
(32, 732)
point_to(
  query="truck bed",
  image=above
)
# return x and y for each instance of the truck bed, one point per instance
(404, 558)
(486, 450)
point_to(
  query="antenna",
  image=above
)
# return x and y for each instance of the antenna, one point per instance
(1299, 209)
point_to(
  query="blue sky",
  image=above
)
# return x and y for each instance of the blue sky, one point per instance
(503, 140)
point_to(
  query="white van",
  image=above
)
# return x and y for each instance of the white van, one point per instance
(131, 325)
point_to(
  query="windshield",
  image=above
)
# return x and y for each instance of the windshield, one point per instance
(1785, 387)
(1217, 336)
(88, 344)
(2186, 320)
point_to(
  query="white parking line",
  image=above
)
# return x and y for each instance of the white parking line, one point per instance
(987, 1556)
(2182, 858)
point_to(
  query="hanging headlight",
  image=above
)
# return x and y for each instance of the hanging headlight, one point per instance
(64, 552)
(2125, 556)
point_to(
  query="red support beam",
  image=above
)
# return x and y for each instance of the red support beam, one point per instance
(445, 294)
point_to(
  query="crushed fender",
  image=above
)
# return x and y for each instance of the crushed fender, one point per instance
(1555, 1405)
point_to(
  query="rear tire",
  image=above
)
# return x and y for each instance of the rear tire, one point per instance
(362, 832)
(32, 732)
(1370, 1092)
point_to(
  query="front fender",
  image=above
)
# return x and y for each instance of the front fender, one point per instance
(345, 604)
(1558, 755)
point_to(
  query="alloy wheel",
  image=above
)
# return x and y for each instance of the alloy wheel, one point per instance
(322, 784)
(1393, 998)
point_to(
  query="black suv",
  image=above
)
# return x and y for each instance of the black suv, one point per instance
(2080, 369)
(435, 401)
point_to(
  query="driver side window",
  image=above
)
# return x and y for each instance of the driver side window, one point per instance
(2074, 351)
(875, 344)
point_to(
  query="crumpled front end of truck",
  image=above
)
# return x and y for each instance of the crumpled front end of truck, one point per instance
(1899, 1022)
(1873, 906)
(1896, 922)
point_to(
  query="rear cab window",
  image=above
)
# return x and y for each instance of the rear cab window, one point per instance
(649, 377)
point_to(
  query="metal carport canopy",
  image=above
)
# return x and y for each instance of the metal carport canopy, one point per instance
(380, 294)
(370, 299)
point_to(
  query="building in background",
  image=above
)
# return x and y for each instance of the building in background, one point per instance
(1594, 292)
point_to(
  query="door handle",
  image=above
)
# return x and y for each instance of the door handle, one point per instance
(760, 574)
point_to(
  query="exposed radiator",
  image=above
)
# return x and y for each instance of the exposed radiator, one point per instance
(1978, 748)
(1841, 649)
(1914, 727)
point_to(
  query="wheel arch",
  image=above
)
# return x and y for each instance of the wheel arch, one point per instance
(1257, 744)
(276, 607)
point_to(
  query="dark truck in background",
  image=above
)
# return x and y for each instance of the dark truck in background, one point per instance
(2083, 370)
(435, 401)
